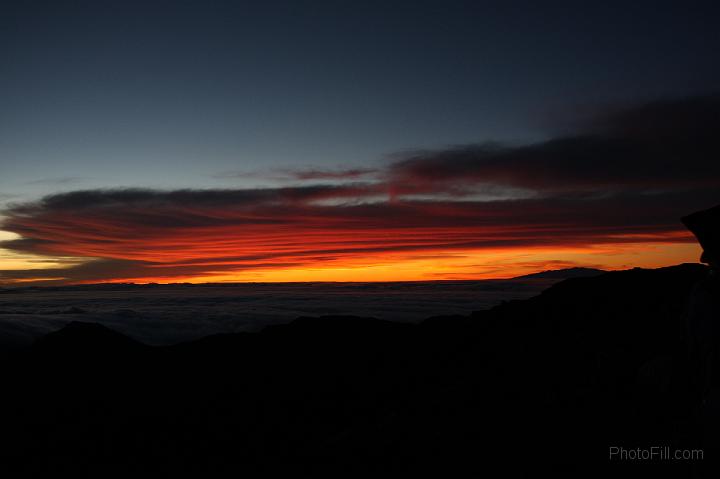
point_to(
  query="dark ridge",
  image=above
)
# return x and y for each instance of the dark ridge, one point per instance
(563, 273)
(336, 325)
(544, 385)
(85, 337)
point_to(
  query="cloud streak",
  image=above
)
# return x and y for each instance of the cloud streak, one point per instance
(307, 174)
(624, 179)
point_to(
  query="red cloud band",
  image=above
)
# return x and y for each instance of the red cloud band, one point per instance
(628, 177)
(191, 233)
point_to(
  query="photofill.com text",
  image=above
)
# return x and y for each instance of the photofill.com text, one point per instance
(655, 453)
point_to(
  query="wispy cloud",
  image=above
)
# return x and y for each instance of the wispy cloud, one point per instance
(67, 180)
(305, 174)
(315, 174)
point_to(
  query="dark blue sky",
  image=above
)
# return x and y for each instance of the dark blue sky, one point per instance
(182, 93)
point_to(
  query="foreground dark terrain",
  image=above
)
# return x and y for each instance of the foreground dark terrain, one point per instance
(544, 384)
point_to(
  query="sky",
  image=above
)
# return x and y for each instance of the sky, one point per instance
(197, 141)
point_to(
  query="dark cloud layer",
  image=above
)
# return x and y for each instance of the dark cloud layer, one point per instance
(659, 146)
(626, 177)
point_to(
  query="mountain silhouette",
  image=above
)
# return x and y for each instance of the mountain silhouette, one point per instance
(528, 387)
(563, 273)
(84, 337)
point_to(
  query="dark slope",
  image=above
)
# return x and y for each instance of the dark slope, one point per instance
(546, 384)
(563, 273)
(90, 339)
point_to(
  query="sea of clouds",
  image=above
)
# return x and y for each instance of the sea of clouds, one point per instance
(168, 314)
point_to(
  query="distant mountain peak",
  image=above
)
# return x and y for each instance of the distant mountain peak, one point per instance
(85, 337)
(566, 273)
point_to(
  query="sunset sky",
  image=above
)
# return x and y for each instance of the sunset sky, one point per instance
(173, 141)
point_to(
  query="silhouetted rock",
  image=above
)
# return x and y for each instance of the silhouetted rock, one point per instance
(705, 225)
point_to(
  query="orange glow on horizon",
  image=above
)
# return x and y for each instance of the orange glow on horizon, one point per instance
(404, 241)
(455, 265)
